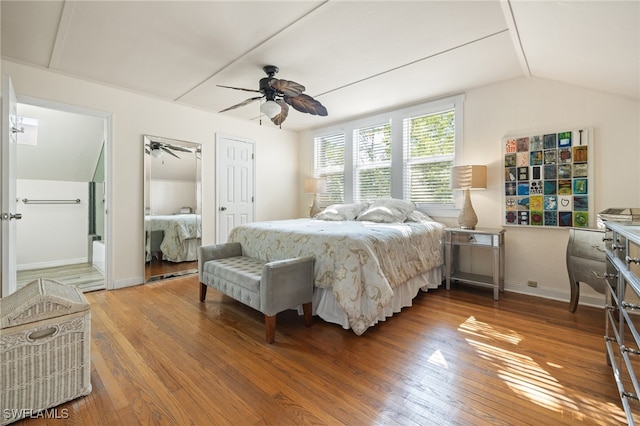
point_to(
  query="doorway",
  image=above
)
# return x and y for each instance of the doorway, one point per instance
(62, 195)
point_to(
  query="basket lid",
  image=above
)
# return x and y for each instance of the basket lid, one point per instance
(39, 300)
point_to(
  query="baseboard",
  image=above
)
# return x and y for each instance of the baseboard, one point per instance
(553, 294)
(51, 264)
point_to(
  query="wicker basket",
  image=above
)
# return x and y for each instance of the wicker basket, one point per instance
(45, 349)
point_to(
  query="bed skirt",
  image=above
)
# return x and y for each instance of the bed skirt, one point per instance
(327, 308)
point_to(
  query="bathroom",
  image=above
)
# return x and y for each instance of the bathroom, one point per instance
(61, 196)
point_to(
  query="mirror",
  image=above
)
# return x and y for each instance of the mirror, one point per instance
(172, 207)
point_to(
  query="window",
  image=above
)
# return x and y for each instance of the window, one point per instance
(329, 165)
(372, 162)
(406, 153)
(429, 153)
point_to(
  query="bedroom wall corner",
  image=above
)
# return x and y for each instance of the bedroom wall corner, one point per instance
(306, 169)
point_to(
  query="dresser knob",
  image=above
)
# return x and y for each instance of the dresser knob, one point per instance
(632, 259)
(632, 306)
(603, 276)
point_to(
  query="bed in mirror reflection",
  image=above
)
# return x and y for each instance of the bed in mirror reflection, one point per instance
(172, 219)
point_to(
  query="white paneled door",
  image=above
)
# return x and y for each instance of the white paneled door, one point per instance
(8, 161)
(235, 184)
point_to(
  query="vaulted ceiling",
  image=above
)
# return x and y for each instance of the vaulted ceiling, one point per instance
(355, 57)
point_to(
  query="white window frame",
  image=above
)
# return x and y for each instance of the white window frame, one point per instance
(396, 117)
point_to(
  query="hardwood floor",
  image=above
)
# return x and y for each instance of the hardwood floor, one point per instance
(158, 269)
(159, 356)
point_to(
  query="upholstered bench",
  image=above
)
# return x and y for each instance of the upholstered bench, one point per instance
(269, 287)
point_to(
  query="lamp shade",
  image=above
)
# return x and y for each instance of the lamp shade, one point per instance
(314, 186)
(469, 177)
(270, 109)
(157, 152)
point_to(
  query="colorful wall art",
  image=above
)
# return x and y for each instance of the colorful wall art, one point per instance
(548, 179)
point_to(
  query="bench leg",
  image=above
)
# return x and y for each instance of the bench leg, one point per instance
(270, 326)
(308, 314)
(203, 292)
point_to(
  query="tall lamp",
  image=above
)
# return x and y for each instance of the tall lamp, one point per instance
(314, 186)
(466, 178)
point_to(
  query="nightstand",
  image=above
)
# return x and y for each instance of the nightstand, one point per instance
(487, 238)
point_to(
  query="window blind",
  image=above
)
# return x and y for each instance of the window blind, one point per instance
(373, 162)
(406, 153)
(429, 154)
(329, 165)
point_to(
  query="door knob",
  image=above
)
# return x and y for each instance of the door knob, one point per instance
(9, 216)
(222, 208)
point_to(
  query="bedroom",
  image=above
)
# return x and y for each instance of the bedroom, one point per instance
(511, 102)
(515, 103)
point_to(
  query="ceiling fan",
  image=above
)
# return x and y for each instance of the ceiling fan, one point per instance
(279, 94)
(157, 149)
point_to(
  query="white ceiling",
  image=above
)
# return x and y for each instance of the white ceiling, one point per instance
(355, 57)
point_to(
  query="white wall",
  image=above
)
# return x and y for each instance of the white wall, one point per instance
(532, 104)
(168, 197)
(135, 115)
(52, 234)
(524, 105)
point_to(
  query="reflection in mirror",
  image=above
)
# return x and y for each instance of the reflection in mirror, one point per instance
(172, 207)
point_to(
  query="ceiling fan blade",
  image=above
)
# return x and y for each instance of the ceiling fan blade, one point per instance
(305, 103)
(284, 112)
(243, 103)
(239, 88)
(286, 87)
(178, 148)
(168, 151)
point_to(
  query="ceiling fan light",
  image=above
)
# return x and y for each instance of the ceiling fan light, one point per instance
(270, 109)
(156, 152)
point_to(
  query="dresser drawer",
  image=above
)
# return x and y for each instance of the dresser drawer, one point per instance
(619, 246)
(590, 272)
(634, 253)
(587, 243)
(459, 238)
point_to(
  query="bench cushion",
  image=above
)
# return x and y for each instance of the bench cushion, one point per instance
(240, 270)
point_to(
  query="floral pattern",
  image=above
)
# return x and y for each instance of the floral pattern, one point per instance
(179, 230)
(362, 262)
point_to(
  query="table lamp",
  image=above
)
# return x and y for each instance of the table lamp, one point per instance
(468, 177)
(314, 186)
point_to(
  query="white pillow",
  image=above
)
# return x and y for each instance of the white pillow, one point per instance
(341, 211)
(388, 210)
(418, 216)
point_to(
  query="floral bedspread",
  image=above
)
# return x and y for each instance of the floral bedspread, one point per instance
(178, 230)
(362, 262)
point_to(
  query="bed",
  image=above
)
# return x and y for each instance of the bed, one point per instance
(365, 270)
(181, 234)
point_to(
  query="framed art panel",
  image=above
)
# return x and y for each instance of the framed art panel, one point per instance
(548, 179)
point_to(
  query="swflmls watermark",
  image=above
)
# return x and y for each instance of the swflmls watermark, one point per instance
(49, 413)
